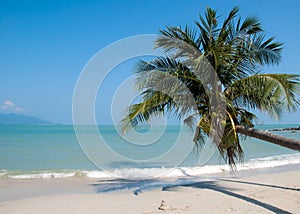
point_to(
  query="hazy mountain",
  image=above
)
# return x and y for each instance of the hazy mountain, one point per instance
(22, 119)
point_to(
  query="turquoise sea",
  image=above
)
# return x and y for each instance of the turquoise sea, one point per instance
(28, 152)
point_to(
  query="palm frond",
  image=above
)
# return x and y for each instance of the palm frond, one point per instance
(266, 52)
(228, 21)
(251, 25)
(174, 37)
(152, 105)
(272, 93)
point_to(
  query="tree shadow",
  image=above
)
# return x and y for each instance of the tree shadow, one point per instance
(259, 184)
(212, 185)
(138, 186)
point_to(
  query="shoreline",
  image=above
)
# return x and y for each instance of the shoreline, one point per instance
(275, 190)
(259, 164)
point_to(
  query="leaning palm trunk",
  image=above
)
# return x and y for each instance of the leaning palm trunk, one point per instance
(272, 138)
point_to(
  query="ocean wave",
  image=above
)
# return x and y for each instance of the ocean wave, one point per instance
(146, 173)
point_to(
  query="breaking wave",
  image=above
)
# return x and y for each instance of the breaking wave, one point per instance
(146, 173)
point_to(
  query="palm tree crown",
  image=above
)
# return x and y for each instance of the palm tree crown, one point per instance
(237, 50)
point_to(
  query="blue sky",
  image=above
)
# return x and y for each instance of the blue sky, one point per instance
(44, 45)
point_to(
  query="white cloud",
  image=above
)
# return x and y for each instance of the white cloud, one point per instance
(9, 107)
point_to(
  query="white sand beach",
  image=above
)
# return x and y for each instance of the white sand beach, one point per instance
(263, 193)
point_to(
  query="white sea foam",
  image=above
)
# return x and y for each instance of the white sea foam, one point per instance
(3, 172)
(44, 175)
(145, 173)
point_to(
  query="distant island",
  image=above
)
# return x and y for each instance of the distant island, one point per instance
(21, 119)
(286, 129)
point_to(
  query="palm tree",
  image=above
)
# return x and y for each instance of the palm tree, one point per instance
(236, 50)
